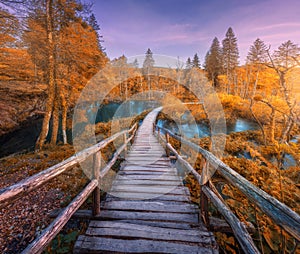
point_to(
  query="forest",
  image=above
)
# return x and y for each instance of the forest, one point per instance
(51, 49)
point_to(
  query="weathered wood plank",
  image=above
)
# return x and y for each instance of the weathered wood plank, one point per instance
(148, 182)
(147, 196)
(143, 233)
(161, 177)
(95, 244)
(158, 216)
(136, 225)
(151, 206)
(162, 224)
(179, 190)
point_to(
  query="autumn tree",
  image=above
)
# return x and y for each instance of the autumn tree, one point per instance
(230, 56)
(148, 62)
(283, 60)
(135, 63)
(15, 63)
(213, 61)
(63, 32)
(256, 58)
(188, 64)
(196, 61)
(122, 68)
(51, 85)
(148, 67)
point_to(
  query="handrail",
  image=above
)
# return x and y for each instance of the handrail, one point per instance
(281, 214)
(14, 191)
(44, 176)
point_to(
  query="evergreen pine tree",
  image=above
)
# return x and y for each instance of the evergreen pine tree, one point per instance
(188, 64)
(196, 61)
(258, 52)
(213, 61)
(230, 55)
(148, 62)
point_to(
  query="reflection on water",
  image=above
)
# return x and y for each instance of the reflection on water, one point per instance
(287, 161)
(202, 129)
(128, 108)
(24, 138)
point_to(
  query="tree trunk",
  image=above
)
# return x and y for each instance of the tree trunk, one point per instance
(291, 105)
(272, 126)
(51, 88)
(55, 118)
(259, 123)
(255, 84)
(64, 118)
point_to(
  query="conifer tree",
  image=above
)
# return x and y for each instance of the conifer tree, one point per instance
(213, 61)
(148, 62)
(230, 57)
(196, 61)
(188, 64)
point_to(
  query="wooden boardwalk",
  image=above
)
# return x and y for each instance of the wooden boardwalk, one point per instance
(148, 209)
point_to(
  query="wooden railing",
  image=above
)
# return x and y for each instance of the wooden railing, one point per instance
(281, 214)
(19, 189)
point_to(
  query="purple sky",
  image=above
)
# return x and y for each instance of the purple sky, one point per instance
(185, 27)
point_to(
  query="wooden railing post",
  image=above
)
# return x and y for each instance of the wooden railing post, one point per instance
(167, 141)
(125, 141)
(204, 200)
(158, 134)
(96, 193)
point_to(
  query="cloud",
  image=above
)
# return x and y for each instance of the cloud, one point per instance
(277, 26)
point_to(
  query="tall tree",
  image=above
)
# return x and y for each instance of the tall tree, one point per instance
(213, 61)
(135, 63)
(230, 55)
(148, 67)
(14, 60)
(188, 64)
(257, 56)
(122, 68)
(51, 84)
(283, 60)
(75, 54)
(148, 62)
(196, 61)
(258, 52)
(92, 21)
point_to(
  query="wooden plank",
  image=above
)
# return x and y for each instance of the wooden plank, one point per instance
(148, 166)
(162, 224)
(158, 173)
(151, 189)
(158, 216)
(147, 182)
(148, 228)
(147, 196)
(161, 177)
(159, 234)
(96, 244)
(151, 206)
